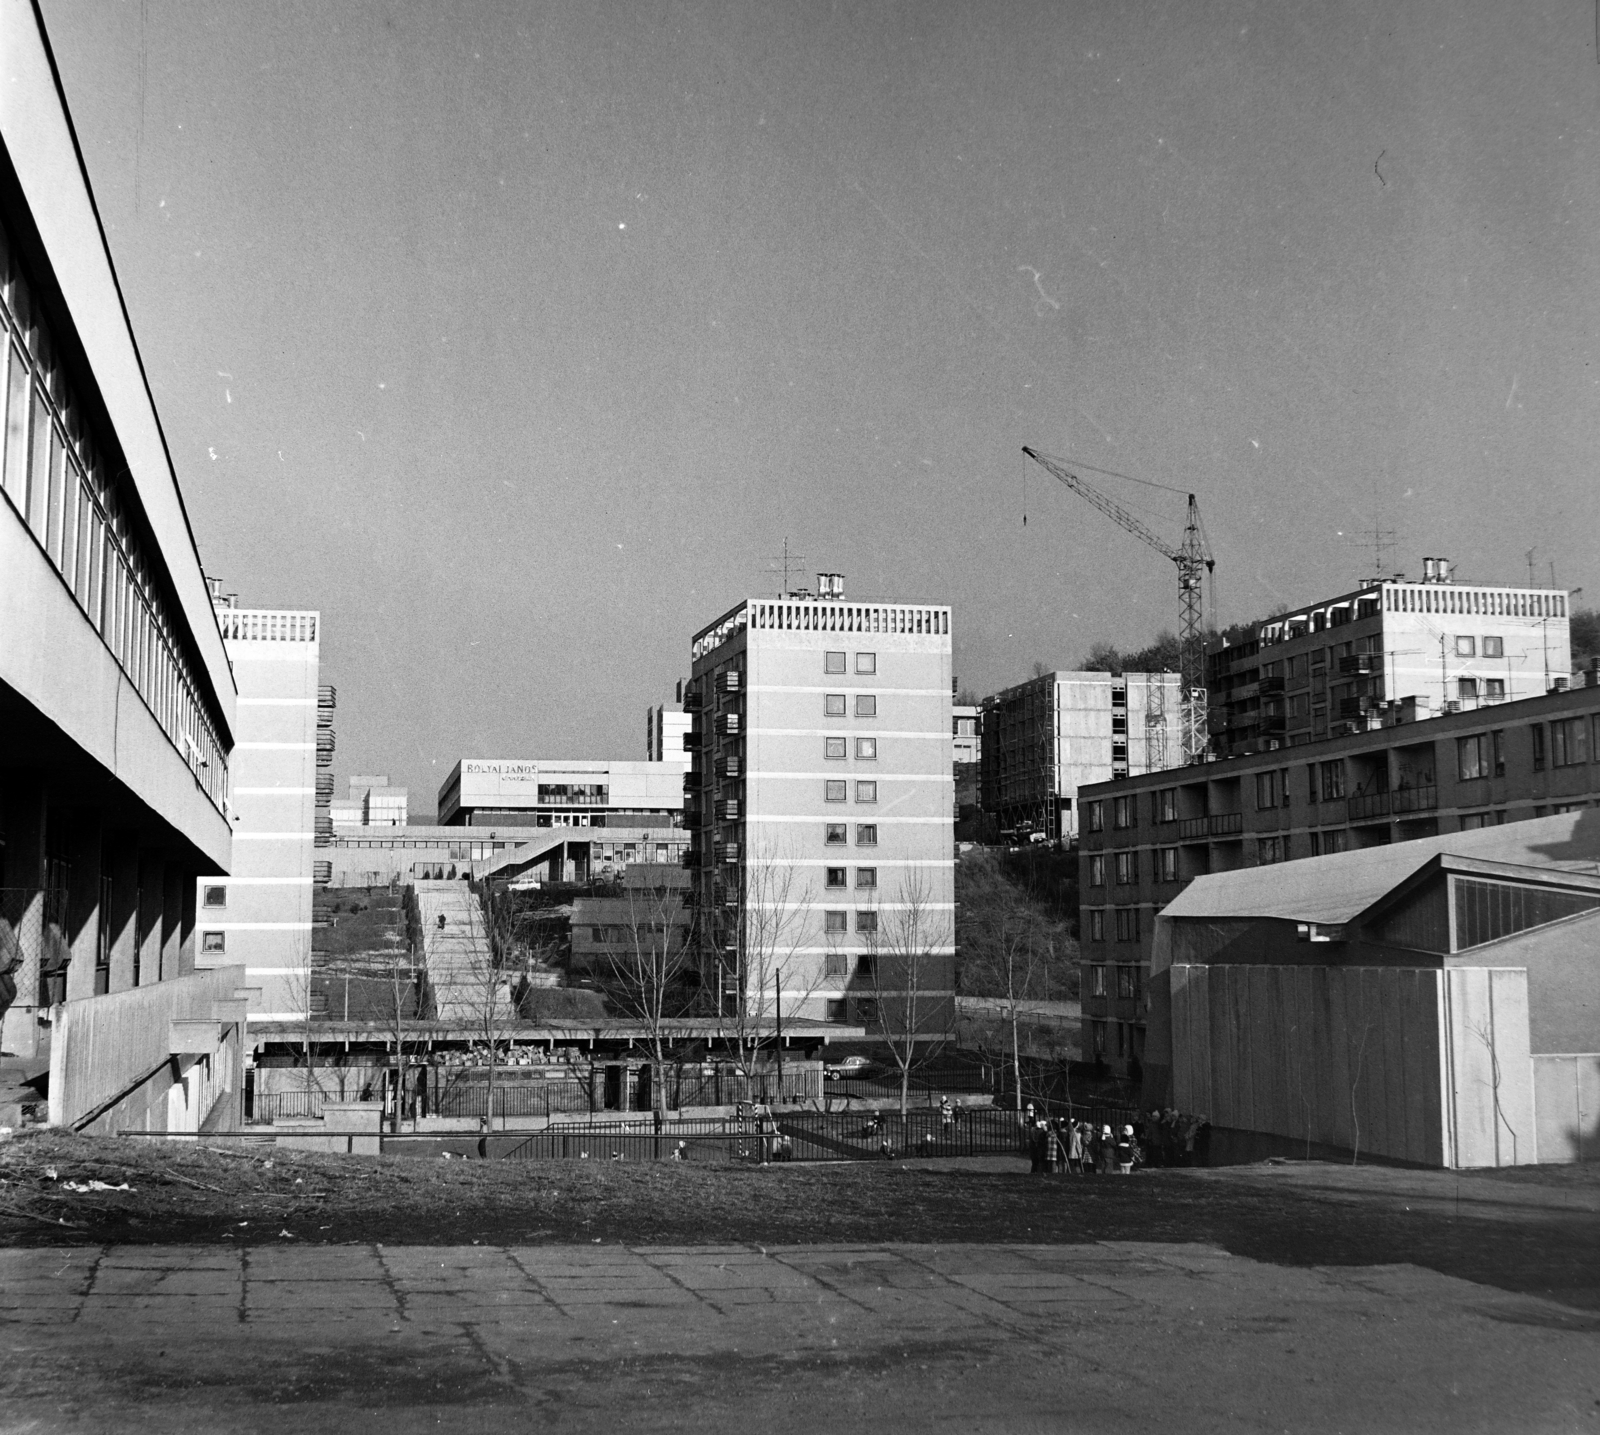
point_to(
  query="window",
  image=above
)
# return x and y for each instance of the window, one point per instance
(1167, 804)
(1494, 647)
(597, 934)
(1472, 821)
(1125, 869)
(1467, 690)
(1332, 780)
(833, 662)
(1311, 782)
(866, 662)
(1335, 841)
(1098, 1032)
(1466, 648)
(835, 922)
(216, 897)
(833, 705)
(1096, 812)
(1537, 732)
(866, 792)
(866, 876)
(1122, 812)
(866, 705)
(1266, 790)
(1097, 925)
(866, 921)
(1126, 982)
(867, 749)
(837, 834)
(834, 789)
(866, 834)
(834, 749)
(1472, 757)
(213, 942)
(1569, 742)
(1283, 786)
(1127, 924)
(1497, 749)
(838, 966)
(1494, 690)
(1167, 864)
(835, 877)
(1097, 981)
(1272, 849)
(1097, 870)
(864, 965)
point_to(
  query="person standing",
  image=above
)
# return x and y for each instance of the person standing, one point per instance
(1125, 1151)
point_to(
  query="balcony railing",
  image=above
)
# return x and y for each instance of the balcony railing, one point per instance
(1225, 824)
(728, 810)
(692, 741)
(1190, 828)
(1423, 798)
(727, 852)
(729, 768)
(730, 681)
(1363, 807)
(691, 780)
(1357, 663)
(1270, 686)
(693, 700)
(728, 724)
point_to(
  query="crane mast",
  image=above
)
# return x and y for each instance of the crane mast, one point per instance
(1193, 560)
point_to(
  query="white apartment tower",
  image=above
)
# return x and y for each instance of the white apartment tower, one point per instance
(259, 916)
(821, 798)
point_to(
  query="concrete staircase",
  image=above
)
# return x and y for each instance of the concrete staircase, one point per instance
(457, 954)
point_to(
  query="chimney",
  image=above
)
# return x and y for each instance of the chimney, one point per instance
(830, 585)
(1428, 573)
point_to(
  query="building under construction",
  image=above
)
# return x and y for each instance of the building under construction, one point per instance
(1045, 738)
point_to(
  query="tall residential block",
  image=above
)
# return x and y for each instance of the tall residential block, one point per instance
(116, 702)
(1346, 664)
(1047, 737)
(821, 797)
(260, 914)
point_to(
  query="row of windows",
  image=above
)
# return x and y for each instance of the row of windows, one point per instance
(836, 922)
(1163, 866)
(837, 705)
(836, 749)
(835, 790)
(866, 834)
(838, 877)
(1128, 981)
(53, 473)
(1125, 924)
(835, 662)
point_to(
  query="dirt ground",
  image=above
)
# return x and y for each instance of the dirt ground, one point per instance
(190, 1193)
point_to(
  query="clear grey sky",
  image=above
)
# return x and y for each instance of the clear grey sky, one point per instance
(516, 337)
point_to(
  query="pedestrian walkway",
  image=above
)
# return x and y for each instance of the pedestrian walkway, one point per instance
(1108, 1336)
(457, 953)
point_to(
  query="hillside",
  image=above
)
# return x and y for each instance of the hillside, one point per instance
(1018, 908)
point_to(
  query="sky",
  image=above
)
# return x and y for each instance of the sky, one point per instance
(518, 339)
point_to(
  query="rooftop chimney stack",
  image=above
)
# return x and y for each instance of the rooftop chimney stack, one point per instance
(830, 585)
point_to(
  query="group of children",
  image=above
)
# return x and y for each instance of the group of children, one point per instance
(1079, 1147)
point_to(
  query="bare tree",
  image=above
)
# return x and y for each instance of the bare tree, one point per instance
(644, 973)
(911, 944)
(483, 981)
(1003, 956)
(1486, 1036)
(764, 933)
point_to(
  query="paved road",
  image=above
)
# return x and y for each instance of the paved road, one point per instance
(1101, 1337)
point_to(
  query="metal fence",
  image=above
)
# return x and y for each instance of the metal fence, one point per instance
(858, 1136)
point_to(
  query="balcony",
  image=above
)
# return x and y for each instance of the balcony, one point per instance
(1225, 824)
(1365, 807)
(321, 873)
(324, 788)
(693, 817)
(728, 810)
(323, 827)
(693, 700)
(692, 741)
(731, 681)
(728, 725)
(691, 781)
(727, 852)
(730, 768)
(1192, 829)
(1359, 664)
(1270, 687)
(1423, 798)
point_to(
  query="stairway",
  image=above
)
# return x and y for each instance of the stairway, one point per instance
(457, 953)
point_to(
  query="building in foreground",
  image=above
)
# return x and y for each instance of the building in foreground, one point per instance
(260, 914)
(1146, 838)
(821, 807)
(1046, 738)
(494, 792)
(1435, 1002)
(1340, 665)
(116, 703)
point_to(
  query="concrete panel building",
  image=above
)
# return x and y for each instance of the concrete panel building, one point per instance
(665, 727)
(260, 914)
(1341, 664)
(1046, 738)
(1436, 1002)
(116, 702)
(1146, 838)
(821, 807)
(373, 802)
(495, 792)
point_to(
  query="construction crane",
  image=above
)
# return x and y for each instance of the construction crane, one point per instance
(1193, 560)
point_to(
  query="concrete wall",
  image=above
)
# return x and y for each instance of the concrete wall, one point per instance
(170, 1078)
(1567, 1106)
(1411, 1064)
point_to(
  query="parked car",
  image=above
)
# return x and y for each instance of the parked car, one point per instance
(848, 1066)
